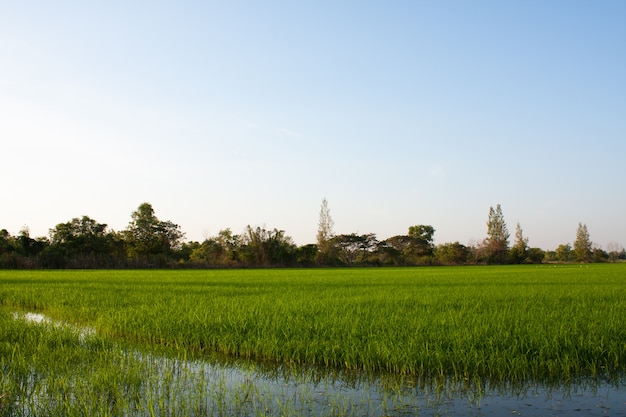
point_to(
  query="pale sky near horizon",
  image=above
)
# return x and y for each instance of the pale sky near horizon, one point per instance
(223, 114)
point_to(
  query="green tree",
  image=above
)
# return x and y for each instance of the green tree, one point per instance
(208, 252)
(452, 253)
(563, 252)
(9, 258)
(497, 242)
(222, 250)
(599, 255)
(535, 255)
(422, 236)
(21, 251)
(231, 244)
(307, 254)
(396, 250)
(415, 248)
(582, 244)
(186, 249)
(519, 251)
(388, 253)
(28, 246)
(149, 239)
(268, 247)
(355, 249)
(81, 243)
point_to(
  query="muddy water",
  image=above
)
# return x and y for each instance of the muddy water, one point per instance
(218, 387)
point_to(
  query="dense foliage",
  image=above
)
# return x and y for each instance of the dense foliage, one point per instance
(149, 242)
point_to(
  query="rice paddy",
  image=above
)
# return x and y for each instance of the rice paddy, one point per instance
(147, 342)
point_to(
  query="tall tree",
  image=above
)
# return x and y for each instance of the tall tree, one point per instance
(149, 238)
(519, 250)
(325, 234)
(497, 242)
(582, 244)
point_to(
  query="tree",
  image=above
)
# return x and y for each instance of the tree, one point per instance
(519, 251)
(28, 246)
(535, 255)
(306, 254)
(599, 255)
(268, 247)
(394, 250)
(422, 236)
(388, 252)
(582, 244)
(563, 252)
(5, 242)
(353, 248)
(615, 251)
(21, 251)
(208, 252)
(497, 242)
(325, 234)
(8, 250)
(150, 239)
(232, 246)
(81, 242)
(221, 250)
(415, 248)
(452, 253)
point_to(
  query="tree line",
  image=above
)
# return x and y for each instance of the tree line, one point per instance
(148, 242)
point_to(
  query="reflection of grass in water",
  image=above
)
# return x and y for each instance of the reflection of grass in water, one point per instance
(52, 371)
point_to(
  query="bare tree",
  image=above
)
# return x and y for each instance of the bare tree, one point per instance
(615, 250)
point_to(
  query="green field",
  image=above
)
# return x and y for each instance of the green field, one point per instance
(498, 324)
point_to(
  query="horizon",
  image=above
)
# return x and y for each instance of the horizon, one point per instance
(471, 243)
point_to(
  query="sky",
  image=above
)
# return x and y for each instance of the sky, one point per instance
(223, 114)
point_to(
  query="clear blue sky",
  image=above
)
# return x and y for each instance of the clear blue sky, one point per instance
(228, 113)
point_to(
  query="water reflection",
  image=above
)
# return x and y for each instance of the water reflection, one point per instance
(217, 386)
(246, 388)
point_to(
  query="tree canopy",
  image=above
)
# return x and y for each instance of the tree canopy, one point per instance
(149, 242)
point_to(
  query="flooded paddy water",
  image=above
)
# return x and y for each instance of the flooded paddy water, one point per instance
(244, 390)
(168, 385)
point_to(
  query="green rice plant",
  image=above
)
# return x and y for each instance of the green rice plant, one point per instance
(505, 324)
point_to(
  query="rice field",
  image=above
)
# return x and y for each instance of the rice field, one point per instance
(470, 325)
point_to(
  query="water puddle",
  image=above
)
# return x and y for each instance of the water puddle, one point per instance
(204, 386)
(37, 318)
